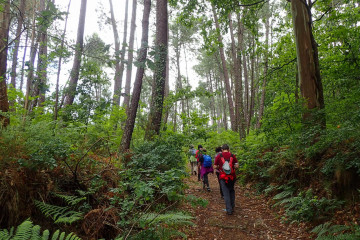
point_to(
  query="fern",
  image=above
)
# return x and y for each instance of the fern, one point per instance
(177, 218)
(27, 231)
(70, 200)
(327, 231)
(57, 213)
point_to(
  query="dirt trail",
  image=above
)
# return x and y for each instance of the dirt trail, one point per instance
(252, 218)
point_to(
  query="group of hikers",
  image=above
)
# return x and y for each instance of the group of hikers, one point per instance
(224, 166)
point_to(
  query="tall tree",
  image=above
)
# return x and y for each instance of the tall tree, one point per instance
(307, 58)
(116, 98)
(158, 89)
(132, 109)
(59, 64)
(130, 55)
(225, 71)
(20, 21)
(4, 36)
(41, 74)
(266, 63)
(74, 75)
(239, 106)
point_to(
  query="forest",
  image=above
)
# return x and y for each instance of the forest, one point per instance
(97, 115)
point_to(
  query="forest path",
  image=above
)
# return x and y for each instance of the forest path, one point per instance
(252, 218)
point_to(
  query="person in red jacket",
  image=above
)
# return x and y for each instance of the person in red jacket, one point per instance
(226, 163)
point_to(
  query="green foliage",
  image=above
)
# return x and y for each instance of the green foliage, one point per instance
(59, 214)
(28, 231)
(327, 231)
(305, 206)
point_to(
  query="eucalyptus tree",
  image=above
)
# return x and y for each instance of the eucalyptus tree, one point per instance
(161, 51)
(74, 75)
(132, 109)
(130, 55)
(4, 37)
(19, 30)
(307, 58)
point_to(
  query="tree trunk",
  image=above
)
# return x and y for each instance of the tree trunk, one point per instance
(117, 87)
(23, 61)
(266, 60)
(167, 90)
(130, 56)
(40, 80)
(161, 50)
(59, 65)
(252, 87)
(74, 75)
(4, 37)
(33, 51)
(307, 60)
(20, 20)
(226, 74)
(132, 110)
(239, 105)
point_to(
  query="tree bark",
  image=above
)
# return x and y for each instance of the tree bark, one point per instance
(40, 80)
(33, 51)
(116, 95)
(161, 49)
(226, 74)
(252, 87)
(239, 105)
(266, 63)
(23, 61)
(20, 21)
(74, 75)
(130, 55)
(132, 110)
(307, 60)
(59, 65)
(4, 37)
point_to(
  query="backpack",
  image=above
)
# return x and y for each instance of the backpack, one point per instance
(207, 161)
(227, 166)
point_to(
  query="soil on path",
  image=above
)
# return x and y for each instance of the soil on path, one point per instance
(252, 218)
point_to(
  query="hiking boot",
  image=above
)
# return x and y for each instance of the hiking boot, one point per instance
(208, 189)
(229, 213)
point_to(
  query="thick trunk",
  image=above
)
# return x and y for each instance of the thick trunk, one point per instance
(167, 90)
(74, 75)
(307, 59)
(4, 36)
(20, 21)
(226, 74)
(130, 56)
(59, 65)
(161, 49)
(239, 105)
(116, 98)
(132, 110)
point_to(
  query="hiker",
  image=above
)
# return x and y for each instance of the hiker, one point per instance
(226, 162)
(192, 159)
(206, 168)
(200, 148)
(217, 171)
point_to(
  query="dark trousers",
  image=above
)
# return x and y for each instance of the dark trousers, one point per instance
(218, 177)
(229, 194)
(206, 180)
(199, 170)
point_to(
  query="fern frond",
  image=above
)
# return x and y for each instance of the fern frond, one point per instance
(57, 213)
(27, 231)
(24, 230)
(328, 229)
(70, 200)
(177, 218)
(36, 233)
(282, 195)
